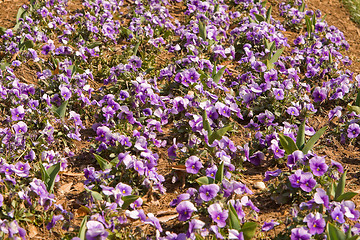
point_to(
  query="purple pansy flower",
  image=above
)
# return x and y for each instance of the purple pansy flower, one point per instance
(185, 210)
(316, 223)
(65, 92)
(211, 171)
(17, 113)
(307, 182)
(22, 169)
(295, 178)
(193, 165)
(353, 130)
(278, 152)
(96, 231)
(293, 111)
(300, 234)
(218, 215)
(194, 224)
(338, 166)
(208, 192)
(235, 234)
(20, 127)
(53, 221)
(318, 165)
(319, 94)
(293, 158)
(321, 197)
(278, 93)
(257, 158)
(338, 215)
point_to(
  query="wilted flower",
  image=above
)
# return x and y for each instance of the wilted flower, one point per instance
(271, 174)
(269, 225)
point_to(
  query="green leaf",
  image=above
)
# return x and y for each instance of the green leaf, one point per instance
(83, 227)
(204, 180)
(331, 190)
(302, 7)
(202, 30)
(340, 186)
(249, 229)
(3, 65)
(220, 173)
(313, 22)
(259, 17)
(75, 69)
(198, 237)
(214, 70)
(97, 196)
(44, 175)
(94, 44)
(234, 221)
(219, 74)
(300, 138)
(20, 14)
(355, 109)
(348, 233)
(206, 124)
(267, 44)
(308, 24)
(52, 173)
(136, 48)
(357, 102)
(330, 58)
(102, 162)
(128, 200)
(346, 196)
(114, 161)
(218, 134)
(268, 14)
(272, 47)
(333, 233)
(2, 31)
(353, 237)
(276, 55)
(263, 3)
(60, 111)
(309, 144)
(26, 45)
(287, 143)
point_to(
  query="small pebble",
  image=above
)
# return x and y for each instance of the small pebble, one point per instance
(259, 185)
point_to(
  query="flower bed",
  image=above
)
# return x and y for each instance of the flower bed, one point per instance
(112, 105)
